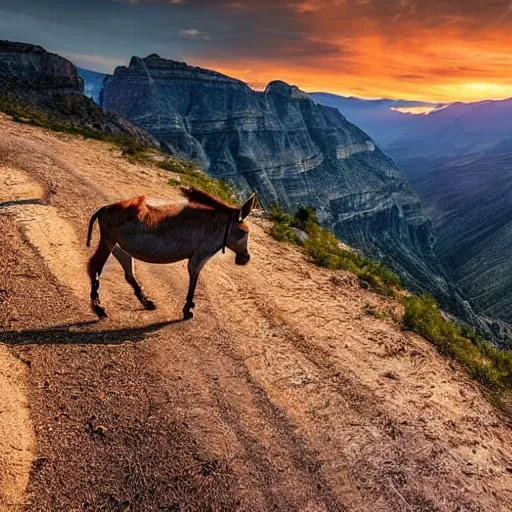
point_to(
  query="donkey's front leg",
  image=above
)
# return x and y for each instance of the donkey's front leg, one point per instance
(128, 265)
(195, 264)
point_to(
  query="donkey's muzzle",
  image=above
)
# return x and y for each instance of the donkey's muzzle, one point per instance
(242, 259)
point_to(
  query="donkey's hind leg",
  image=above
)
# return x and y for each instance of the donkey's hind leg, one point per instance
(95, 266)
(128, 265)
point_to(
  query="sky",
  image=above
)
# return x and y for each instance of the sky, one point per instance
(432, 50)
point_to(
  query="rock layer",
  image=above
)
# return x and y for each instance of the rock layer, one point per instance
(292, 152)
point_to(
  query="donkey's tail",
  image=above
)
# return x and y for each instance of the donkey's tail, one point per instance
(91, 224)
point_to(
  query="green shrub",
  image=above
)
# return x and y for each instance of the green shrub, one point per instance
(324, 250)
(282, 228)
(303, 216)
(134, 149)
(489, 365)
(284, 233)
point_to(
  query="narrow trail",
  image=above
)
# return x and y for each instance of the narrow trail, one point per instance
(281, 394)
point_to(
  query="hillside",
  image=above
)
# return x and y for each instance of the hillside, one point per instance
(47, 89)
(283, 393)
(458, 160)
(469, 200)
(291, 151)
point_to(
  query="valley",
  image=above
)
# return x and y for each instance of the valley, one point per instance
(458, 159)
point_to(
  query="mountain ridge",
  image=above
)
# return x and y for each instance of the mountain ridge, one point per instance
(281, 144)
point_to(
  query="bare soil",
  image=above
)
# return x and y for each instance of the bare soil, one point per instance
(282, 394)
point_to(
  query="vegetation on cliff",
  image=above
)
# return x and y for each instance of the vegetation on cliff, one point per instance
(68, 107)
(487, 364)
(325, 250)
(484, 362)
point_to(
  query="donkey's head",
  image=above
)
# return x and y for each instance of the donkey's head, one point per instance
(238, 236)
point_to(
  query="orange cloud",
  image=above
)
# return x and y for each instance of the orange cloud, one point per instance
(433, 50)
(437, 50)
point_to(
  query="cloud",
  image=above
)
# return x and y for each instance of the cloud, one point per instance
(410, 77)
(304, 7)
(193, 33)
(421, 49)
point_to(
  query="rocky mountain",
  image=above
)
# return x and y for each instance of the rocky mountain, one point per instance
(384, 120)
(458, 159)
(292, 151)
(32, 77)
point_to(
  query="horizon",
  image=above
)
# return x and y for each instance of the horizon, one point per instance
(371, 49)
(436, 105)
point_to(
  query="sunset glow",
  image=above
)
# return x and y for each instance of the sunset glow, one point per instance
(417, 111)
(405, 49)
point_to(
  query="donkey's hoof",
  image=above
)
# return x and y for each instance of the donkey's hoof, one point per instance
(149, 305)
(100, 311)
(187, 315)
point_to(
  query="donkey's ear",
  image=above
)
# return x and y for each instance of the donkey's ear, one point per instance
(247, 207)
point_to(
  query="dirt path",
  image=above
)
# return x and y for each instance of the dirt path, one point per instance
(282, 393)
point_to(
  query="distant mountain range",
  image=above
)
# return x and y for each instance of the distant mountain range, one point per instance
(380, 118)
(459, 160)
(448, 130)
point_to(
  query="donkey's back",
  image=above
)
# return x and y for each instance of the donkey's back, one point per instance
(156, 234)
(194, 230)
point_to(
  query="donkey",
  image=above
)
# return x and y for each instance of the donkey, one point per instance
(196, 230)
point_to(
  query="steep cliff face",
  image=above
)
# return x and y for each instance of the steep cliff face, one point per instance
(469, 199)
(32, 77)
(292, 151)
(31, 67)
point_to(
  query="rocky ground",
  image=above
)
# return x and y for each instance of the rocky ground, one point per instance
(283, 393)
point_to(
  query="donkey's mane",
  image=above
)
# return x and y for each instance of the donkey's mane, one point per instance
(198, 196)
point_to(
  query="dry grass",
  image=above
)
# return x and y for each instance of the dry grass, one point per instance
(487, 364)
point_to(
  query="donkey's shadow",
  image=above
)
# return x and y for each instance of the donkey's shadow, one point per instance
(79, 334)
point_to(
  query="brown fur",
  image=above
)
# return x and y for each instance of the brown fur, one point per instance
(198, 196)
(165, 234)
